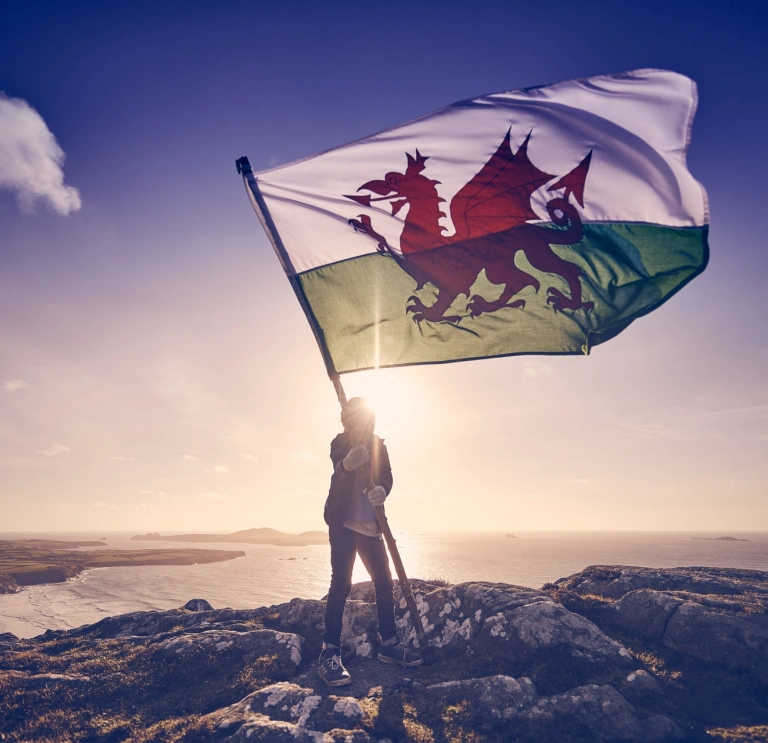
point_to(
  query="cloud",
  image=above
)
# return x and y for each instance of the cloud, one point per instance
(304, 456)
(102, 504)
(752, 411)
(53, 450)
(161, 493)
(31, 159)
(248, 457)
(536, 368)
(219, 469)
(14, 385)
(654, 431)
(123, 459)
(189, 458)
(213, 496)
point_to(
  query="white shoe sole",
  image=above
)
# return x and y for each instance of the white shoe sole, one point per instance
(340, 682)
(387, 659)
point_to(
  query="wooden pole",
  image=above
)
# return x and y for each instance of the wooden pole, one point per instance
(381, 518)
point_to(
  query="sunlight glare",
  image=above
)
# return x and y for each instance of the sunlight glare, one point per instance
(388, 393)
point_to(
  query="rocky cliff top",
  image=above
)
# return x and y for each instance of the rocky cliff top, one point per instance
(610, 654)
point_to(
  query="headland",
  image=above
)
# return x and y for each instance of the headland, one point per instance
(28, 562)
(246, 536)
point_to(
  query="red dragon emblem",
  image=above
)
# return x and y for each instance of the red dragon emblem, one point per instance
(490, 215)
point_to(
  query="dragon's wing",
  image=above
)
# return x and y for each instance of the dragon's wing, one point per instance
(499, 196)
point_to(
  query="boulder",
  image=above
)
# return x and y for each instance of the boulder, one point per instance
(197, 605)
(365, 591)
(746, 587)
(510, 707)
(734, 641)
(494, 698)
(640, 687)
(512, 630)
(307, 618)
(7, 641)
(262, 729)
(286, 647)
(153, 623)
(716, 615)
(289, 708)
(591, 713)
(645, 612)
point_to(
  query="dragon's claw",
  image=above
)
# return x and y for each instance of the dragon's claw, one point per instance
(416, 306)
(560, 302)
(478, 305)
(422, 312)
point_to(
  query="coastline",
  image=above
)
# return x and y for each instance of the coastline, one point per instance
(29, 563)
(266, 576)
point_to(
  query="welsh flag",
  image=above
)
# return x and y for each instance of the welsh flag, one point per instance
(542, 220)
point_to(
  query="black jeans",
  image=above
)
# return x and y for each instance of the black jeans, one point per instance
(345, 545)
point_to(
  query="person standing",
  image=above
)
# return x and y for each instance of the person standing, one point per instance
(353, 530)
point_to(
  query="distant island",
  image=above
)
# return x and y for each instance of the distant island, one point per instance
(511, 536)
(246, 536)
(721, 539)
(29, 562)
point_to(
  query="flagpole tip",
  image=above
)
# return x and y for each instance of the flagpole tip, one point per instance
(243, 166)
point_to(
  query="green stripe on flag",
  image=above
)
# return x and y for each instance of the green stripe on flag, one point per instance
(628, 269)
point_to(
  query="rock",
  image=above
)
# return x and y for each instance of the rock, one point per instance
(495, 698)
(645, 612)
(717, 615)
(640, 686)
(307, 618)
(588, 713)
(511, 663)
(365, 591)
(262, 729)
(153, 623)
(595, 713)
(246, 646)
(734, 641)
(8, 585)
(557, 646)
(197, 605)
(306, 712)
(7, 640)
(660, 729)
(750, 586)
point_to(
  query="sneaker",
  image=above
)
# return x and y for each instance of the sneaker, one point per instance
(331, 669)
(401, 654)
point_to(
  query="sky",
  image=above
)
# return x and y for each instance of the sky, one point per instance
(156, 371)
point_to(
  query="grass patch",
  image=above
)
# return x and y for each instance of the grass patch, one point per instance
(740, 734)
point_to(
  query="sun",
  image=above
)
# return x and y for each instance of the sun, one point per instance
(388, 394)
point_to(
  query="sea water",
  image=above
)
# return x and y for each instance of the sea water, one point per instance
(270, 575)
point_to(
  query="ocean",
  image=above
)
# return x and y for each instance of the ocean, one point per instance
(270, 575)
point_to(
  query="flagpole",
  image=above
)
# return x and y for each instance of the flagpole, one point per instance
(262, 212)
(381, 518)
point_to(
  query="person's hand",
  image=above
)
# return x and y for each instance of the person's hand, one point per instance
(356, 458)
(377, 495)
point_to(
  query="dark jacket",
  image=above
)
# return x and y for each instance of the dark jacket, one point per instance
(343, 483)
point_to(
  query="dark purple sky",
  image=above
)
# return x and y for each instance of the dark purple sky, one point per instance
(159, 339)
